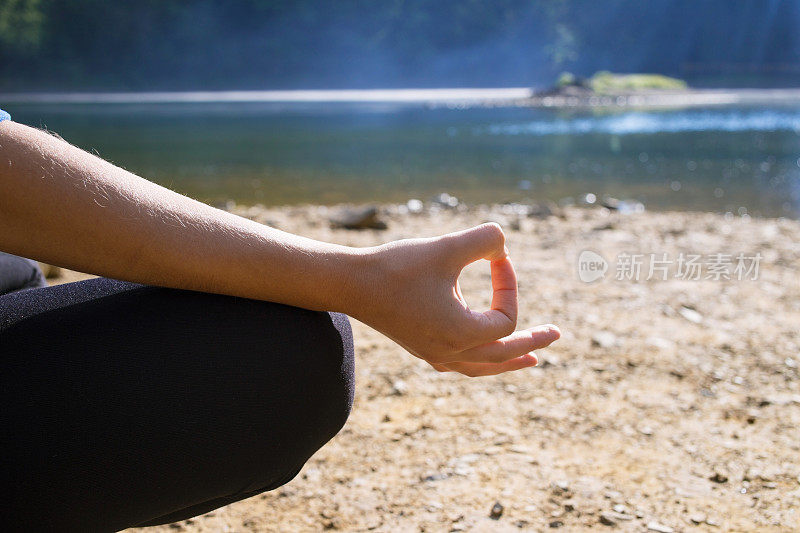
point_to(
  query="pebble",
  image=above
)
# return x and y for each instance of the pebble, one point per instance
(660, 343)
(543, 211)
(399, 388)
(415, 206)
(659, 528)
(561, 485)
(445, 200)
(497, 511)
(607, 519)
(556, 523)
(691, 315)
(604, 339)
(718, 477)
(697, 518)
(518, 448)
(357, 218)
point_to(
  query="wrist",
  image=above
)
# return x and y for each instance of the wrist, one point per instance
(354, 281)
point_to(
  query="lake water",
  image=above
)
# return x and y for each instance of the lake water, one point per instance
(742, 159)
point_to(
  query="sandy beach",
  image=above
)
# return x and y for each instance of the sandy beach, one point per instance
(668, 405)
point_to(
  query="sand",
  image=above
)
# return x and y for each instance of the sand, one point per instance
(668, 405)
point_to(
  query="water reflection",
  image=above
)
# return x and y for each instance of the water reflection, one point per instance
(658, 122)
(720, 158)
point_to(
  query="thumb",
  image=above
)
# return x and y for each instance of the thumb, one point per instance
(486, 241)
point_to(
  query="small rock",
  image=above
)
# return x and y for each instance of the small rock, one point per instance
(561, 485)
(399, 388)
(697, 518)
(330, 523)
(446, 200)
(605, 227)
(604, 339)
(547, 358)
(415, 206)
(556, 523)
(610, 203)
(690, 314)
(607, 519)
(619, 508)
(518, 448)
(497, 511)
(718, 477)
(660, 343)
(659, 528)
(542, 211)
(358, 218)
(569, 506)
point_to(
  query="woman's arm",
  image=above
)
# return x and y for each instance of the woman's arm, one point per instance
(64, 206)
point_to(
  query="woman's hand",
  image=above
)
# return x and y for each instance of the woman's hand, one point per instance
(411, 294)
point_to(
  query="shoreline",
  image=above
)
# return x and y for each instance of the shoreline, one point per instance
(492, 97)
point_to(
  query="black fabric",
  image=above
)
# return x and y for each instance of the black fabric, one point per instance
(126, 405)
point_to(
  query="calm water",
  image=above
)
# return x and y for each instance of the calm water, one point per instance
(738, 159)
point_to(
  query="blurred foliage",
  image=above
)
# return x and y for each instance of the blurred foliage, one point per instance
(211, 44)
(20, 26)
(566, 79)
(605, 82)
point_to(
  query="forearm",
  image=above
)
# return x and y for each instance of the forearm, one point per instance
(64, 206)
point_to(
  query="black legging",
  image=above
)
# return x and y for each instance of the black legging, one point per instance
(127, 405)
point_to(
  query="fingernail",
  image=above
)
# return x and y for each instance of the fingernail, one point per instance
(553, 329)
(505, 250)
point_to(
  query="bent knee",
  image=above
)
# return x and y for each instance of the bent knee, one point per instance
(335, 390)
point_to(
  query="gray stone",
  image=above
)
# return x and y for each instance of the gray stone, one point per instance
(445, 200)
(607, 519)
(604, 339)
(497, 511)
(357, 218)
